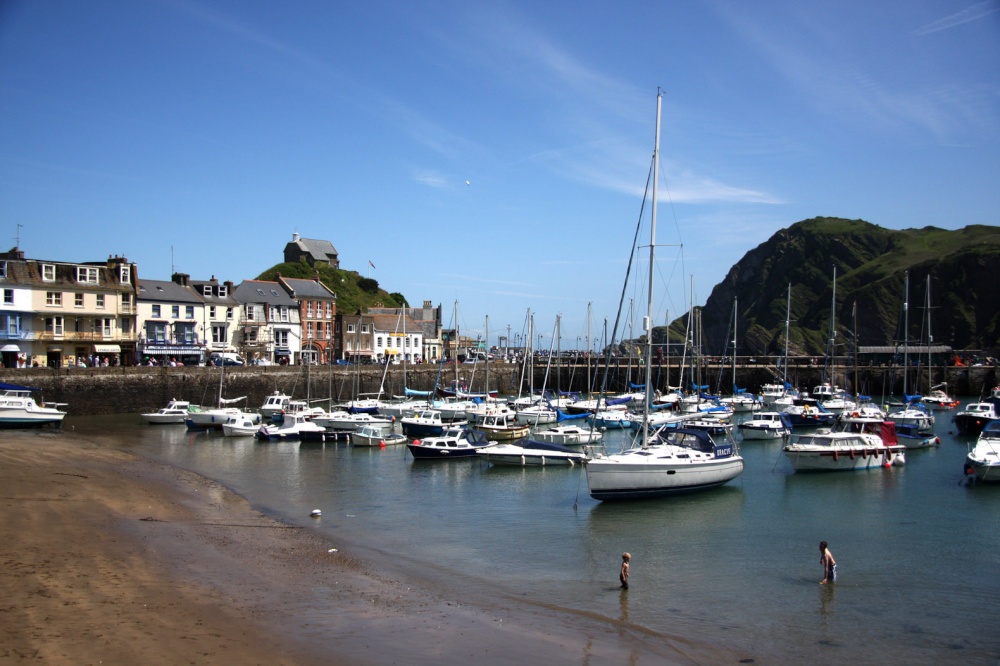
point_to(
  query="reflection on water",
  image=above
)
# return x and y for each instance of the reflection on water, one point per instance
(736, 566)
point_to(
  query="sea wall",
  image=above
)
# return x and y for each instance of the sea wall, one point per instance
(139, 389)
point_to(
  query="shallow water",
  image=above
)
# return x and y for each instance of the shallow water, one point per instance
(737, 567)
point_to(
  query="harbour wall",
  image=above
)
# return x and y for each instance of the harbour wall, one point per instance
(126, 390)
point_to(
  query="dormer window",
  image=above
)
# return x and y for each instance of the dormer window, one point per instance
(86, 274)
(3, 269)
(206, 290)
(125, 274)
(49, 272)
(223, 291)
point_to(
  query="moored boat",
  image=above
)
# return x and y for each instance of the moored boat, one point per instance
(175, 412)
(376, 435)
(862, 445)
(570, 435)
(455, 442)
(973, 418)
(984, 458)
(531, 454)
(765, 425)
(18, 408)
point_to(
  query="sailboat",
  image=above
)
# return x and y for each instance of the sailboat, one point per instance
(670, 460)
(214, 419)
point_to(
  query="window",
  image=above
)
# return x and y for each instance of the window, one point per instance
(156, 332)
(49, 272)
(53, 298)
(189, 312)
(11, 324)
(125, 326)
(86, 274)
(309, 330)
(100, 301)
(175, 312)
(223, 291)
(350, 328)
(78, 300)
(378, 342)
(206, 290)
(126, 302)
(3, 269)
(219, 336)
(156, 311)
(8, 296)
(211, 312)
(125, 274)
(184, 334)
(107, 326)
(249, 313)
(229, 314)
(364, 328)
(54, 325)
(281, 337)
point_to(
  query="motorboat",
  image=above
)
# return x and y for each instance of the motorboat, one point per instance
(427, 423)
(909, 435)
(276, 403)
(570, 435)
(214, 419)
(376, 435)
(938, 398)
(984, 458)
(537, 414)
(673, 461)
(611, 419)
(861, 445)
(294, 426)
(771, 392)
(242, 425)
(973, 418)
(175, 412)
(531, 454)
(741, 401)
(807, 413)
(501, 426)
(765, 425)
(18, 408)
(347, 422)
(914, 415)
(455, 442)
(401, 408)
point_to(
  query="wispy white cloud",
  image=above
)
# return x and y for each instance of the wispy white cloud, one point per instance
(973, 13)
(433, 179)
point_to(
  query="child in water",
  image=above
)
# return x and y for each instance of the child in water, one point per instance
(623, 576)
(829, 564)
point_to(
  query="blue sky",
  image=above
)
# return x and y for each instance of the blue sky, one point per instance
(202, 135)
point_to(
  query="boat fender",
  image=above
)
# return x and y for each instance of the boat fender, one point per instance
(851, 453)
(836, 456)
(381, 444)
(416, 442)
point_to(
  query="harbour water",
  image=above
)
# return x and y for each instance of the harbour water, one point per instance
(737, 567)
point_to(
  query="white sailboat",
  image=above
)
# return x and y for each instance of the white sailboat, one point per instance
(671, 460)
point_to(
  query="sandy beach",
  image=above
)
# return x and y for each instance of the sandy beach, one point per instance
(109, 557)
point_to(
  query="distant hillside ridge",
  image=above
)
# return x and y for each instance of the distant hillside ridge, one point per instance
(871, 264)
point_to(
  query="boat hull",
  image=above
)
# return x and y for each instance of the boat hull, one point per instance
(610, 480)
(844, 461)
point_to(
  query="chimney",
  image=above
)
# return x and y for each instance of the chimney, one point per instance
(180, 278)
(295, 237)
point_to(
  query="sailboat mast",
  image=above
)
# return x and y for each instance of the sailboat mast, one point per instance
(930, 337)
(734, 345)
(906, 335)
(788, 316)
(647, 320)
(828, 363)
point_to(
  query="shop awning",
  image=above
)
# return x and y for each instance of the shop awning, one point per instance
(10, 348)
(107, 349)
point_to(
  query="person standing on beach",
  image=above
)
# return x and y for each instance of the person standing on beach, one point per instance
(829, 564)
(623, 575)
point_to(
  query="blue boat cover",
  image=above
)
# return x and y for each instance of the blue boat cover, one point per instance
(15, 387)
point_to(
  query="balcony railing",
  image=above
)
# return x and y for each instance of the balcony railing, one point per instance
(80, 336)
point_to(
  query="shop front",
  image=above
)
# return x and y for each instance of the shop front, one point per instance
(170, 355)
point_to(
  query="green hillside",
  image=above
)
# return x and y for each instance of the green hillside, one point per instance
(872, 263)
(354, 291)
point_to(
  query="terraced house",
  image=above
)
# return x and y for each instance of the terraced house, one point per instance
(64, 314)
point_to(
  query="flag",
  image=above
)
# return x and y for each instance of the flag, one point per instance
(371, 264)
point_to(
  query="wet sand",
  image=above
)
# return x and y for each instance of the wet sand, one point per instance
(112, 558)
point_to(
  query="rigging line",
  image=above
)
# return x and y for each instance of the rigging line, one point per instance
(621, 301)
